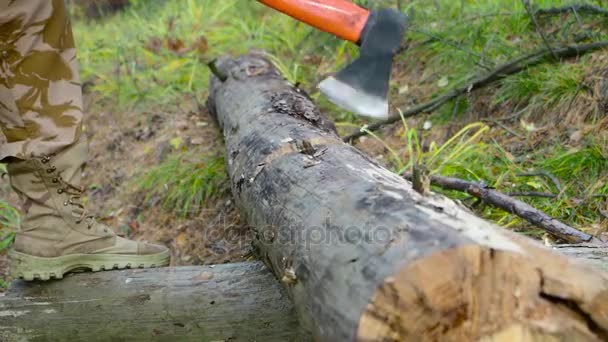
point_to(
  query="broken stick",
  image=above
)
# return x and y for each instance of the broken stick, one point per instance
(514, 206)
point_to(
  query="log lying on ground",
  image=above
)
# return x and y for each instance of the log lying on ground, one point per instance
(235, 302)
(367, 258)
(592, 255)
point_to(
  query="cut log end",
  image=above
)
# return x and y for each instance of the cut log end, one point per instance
(433, 300)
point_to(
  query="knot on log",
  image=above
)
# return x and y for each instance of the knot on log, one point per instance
(298, 104)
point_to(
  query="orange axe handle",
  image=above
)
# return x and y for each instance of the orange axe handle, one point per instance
(339, 17)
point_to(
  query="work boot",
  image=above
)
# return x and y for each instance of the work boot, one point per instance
(57, 234)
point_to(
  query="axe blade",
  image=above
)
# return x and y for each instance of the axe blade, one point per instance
(362, 86)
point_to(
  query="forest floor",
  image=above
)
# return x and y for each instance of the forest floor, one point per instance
(156, 169)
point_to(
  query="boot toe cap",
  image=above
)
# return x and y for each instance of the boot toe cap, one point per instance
(148, 248)
(131, 247)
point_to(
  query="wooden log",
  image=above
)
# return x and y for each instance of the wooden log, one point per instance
(367, 258)
(234, 302)
(592, 255)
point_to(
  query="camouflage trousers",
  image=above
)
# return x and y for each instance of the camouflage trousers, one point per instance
(40, 92)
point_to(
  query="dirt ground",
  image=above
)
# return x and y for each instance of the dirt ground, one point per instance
(128, 146)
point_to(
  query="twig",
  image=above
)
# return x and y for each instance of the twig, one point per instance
(448, 134)
(503, 126)
(486, 47)
(576, 8)
(512, 67)
(455, 45)
(215, 71)
(545, 174)
(532, 194)
(486, 15)
(512, 116)
(514, 206)
(538, 28)
(578, 18)
(578, 89)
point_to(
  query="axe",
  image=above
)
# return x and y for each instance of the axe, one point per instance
(362, 86)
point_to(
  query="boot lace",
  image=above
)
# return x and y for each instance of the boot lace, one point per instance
(74, 194)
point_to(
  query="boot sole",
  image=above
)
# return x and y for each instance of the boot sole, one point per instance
(29, 267)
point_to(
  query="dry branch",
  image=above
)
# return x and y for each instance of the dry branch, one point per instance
(516, 207)
(367, 258)
(235, 302)
(512, 67)
(532, 194)
(575, 8)
(539, 30)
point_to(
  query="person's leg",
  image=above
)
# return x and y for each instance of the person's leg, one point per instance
(41, 117)
(40, 94)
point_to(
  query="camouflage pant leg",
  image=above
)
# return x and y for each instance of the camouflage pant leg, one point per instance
(40, 94)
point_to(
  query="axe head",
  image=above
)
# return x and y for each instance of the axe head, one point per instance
(362, 86)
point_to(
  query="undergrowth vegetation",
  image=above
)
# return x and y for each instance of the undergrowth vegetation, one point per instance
(9, 223)
(544, 118)
(577, 191)
(183, 182)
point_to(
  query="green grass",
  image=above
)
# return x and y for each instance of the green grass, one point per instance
(183, 182)
(448, 40)
(473, 155)
(9, 224)
(116, 54)
(9, 221)
(454, 40)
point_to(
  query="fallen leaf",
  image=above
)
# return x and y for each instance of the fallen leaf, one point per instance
(528, 126)
(154, 45)
(176, 142)
(182, 125)
(404, 89)
(134, 225)
(176, 46)
(200, 45)
(181, 240)
(197, 141)
(576, 137)
(443, 82)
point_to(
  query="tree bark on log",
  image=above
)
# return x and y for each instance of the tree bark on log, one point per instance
(592, 255)
(233, 302)
(365, 257)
